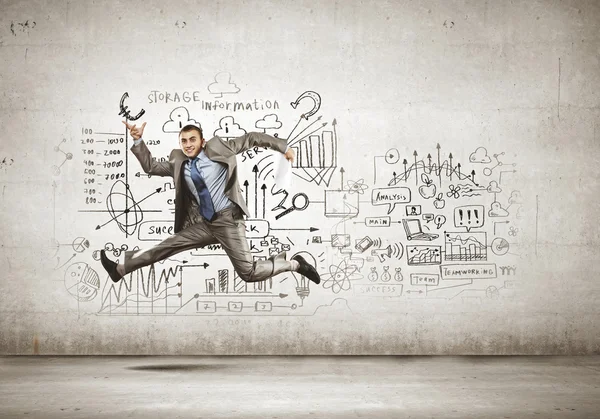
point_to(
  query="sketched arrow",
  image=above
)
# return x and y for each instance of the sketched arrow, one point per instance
(451, 167)
(98, 227)
(246, 183)
(293, 141)
(405, 162)
(342, 173)
(204, 265)
(255, 170)
(297, 229)
(316, 98)
(335, 139)
(71, 258)
(439, 164)
(416, 175)
(264, 188)
(307, 135)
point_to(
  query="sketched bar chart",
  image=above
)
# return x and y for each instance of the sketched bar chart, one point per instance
(466, 246)
(316, 152)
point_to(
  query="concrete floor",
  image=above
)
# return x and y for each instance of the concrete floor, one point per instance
(300, 387)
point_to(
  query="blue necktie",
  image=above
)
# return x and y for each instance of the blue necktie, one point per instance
(207, 208)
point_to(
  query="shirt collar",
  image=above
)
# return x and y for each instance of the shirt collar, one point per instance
(200, 156)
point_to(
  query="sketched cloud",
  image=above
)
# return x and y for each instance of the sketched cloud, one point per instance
(480, 156)
(179, 118)
(497, 210)
(515, 198)
(493, 187)
(223, 85)
(268, 122)
(228, 128)
(339, 305)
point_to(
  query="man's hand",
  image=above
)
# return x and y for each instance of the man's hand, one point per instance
(136, 133)
(289, 155)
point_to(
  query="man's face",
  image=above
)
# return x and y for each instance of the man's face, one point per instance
(191, 143)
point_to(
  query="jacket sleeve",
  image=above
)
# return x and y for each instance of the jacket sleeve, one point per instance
(257, 139)
(149, 163)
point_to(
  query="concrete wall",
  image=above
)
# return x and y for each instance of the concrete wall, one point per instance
(495, 102)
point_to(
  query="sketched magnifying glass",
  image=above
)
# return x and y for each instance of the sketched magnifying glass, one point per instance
(295, 205)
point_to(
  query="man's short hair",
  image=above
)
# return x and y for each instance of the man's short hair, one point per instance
(191, 128)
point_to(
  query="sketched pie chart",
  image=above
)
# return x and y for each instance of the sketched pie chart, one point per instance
(80, 244)
(81, 281)
(500, 246)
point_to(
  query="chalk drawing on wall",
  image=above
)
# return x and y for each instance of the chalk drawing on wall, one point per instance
(81, 281)
(223, 85)
(67, 156)
(269, 121)
(125, 112)
(228, 128)
(308, 96)
(179, 118)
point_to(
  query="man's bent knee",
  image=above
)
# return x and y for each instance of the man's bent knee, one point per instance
(246, 274)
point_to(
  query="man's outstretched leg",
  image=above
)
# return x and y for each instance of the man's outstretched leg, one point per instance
(196, 235)
(230, 231)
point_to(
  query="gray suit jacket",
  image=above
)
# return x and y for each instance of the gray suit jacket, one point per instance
(216, 149)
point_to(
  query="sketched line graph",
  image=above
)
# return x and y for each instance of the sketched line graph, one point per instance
(466, 247)
(143, 292)
(441, 169)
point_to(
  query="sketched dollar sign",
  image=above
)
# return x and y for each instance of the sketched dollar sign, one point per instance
(311, 95)
(125, 111)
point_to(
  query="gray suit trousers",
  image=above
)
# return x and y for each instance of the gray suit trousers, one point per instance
(227, 229)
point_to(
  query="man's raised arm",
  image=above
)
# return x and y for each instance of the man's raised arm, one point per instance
(258, 139)
(140, 150)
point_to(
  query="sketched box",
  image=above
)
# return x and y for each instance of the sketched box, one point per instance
(340, 204)
(340, 240)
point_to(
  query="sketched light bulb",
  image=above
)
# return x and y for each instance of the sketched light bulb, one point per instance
(302, 282)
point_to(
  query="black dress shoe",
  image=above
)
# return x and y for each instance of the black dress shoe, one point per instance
(110, 266)
(307, 269)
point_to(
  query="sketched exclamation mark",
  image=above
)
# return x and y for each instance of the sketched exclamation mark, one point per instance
(460, 213)
(476, 216)
(469, 215)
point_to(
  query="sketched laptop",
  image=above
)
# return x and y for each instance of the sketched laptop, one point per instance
(414, 231)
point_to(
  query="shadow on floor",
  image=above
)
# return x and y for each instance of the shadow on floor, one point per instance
(179, 367)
